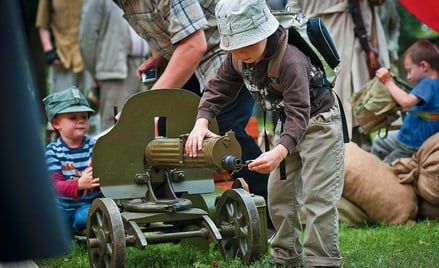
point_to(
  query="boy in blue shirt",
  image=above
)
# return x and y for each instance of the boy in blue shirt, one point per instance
(421, 61)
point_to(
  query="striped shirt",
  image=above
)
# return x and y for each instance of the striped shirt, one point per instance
(65, 166)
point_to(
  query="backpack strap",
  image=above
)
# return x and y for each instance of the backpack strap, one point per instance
(293, 37)
(274, 64)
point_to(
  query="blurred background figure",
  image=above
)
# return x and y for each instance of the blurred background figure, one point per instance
(58, 26)
(391, 25)
(111, 51)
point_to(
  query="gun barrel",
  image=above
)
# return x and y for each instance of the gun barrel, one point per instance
(221, 153)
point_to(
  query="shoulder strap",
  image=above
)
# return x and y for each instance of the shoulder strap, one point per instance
(274, 64)
(292, 37)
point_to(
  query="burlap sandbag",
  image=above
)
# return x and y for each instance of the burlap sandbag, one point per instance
(428, 211)
(422, 170)
(351, 214)
(372, 185)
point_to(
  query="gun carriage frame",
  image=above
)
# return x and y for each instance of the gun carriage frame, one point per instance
(154, 193)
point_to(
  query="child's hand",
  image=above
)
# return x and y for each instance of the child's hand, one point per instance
(268, 161)
(194, 142)
(383, 75)
(86, 181)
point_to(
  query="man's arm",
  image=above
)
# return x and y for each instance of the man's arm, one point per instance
(49, 51)
(183, 62)
(45, 39)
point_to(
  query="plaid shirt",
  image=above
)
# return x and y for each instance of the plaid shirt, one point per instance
(164, 23)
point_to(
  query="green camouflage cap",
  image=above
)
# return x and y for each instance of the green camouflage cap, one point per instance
(67, 101)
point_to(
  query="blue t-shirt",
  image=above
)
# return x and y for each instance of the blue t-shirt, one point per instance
(415, 130)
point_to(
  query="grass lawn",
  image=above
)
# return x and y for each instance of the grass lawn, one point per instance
(403, 246)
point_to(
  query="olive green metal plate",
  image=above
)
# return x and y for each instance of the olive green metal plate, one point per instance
(119, 154)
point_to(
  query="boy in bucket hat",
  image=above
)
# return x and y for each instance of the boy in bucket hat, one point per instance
(306, 165)
(68, 158)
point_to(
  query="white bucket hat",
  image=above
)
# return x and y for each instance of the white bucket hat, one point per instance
(244, 22)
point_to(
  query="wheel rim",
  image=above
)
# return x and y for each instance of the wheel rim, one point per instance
(105, 234)
(238, 218)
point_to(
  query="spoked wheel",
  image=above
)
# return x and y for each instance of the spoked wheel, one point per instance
(105, 235)
(238, 221)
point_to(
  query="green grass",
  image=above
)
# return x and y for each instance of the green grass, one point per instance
(377, 246)
(392, 246)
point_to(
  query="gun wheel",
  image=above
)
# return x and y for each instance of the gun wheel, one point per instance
(105, 234)
(238, 221)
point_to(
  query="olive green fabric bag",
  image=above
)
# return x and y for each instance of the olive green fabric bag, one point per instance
(374, 108)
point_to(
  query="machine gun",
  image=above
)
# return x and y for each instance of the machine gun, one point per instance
(154, 192)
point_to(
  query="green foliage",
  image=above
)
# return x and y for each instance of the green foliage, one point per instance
(374, 246)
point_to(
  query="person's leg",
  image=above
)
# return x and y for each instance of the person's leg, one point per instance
(400, 151)
(67, 216)
(67, 212)
(322, 152)
(109, 99)
(83, 80)
(284, 202)
(60, 79)
(80, 217)
(383, 146)
(114, 93)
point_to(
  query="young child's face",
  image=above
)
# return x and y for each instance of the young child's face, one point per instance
(72, 125)
(415, 72)
(252, 53)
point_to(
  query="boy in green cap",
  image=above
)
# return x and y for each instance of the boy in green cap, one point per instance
(68, 158)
